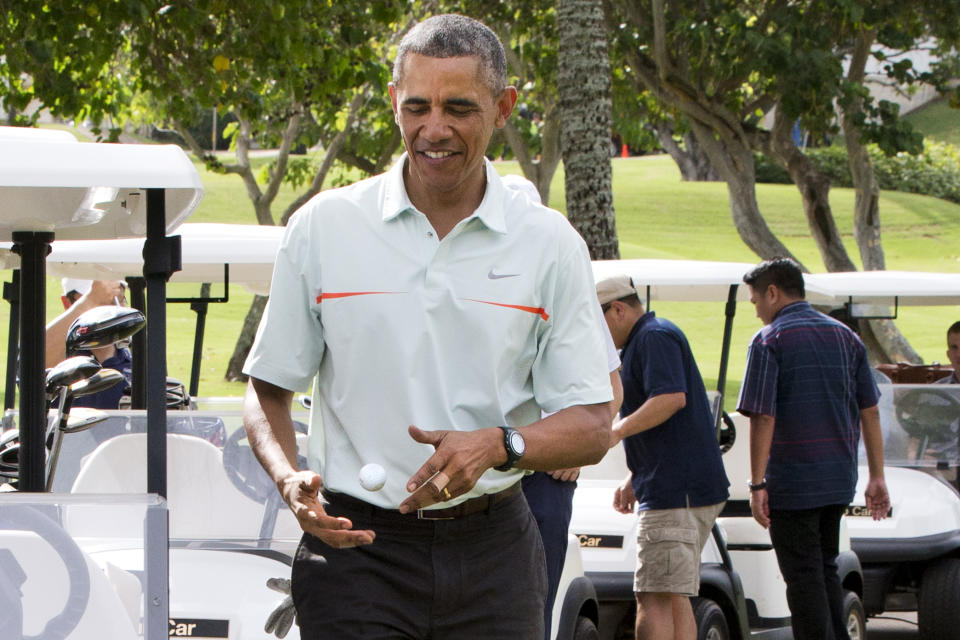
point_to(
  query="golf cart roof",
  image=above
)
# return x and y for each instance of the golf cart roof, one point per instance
(51, 182)
(250, 250)
(679, 280)
(888, 288)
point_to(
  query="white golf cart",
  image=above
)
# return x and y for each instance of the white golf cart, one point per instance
(911, 561)
(51, 187)
(742, 594)
(229, 533)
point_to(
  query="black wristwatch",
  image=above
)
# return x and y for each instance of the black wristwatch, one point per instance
(757, 487)
(515, 446)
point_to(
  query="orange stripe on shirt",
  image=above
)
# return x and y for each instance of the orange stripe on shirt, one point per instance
(347, 294)
(537, 310)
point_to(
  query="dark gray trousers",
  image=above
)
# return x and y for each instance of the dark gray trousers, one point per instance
(481, 576)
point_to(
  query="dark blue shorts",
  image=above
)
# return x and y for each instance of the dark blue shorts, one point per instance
(479, 576)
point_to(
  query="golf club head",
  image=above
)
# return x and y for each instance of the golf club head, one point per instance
(103, 326)
(103, 379)
(10, 460)
(71, 370)
(9, 436)
(82, 418)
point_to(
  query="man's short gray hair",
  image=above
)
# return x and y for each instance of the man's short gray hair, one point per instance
(453, 36)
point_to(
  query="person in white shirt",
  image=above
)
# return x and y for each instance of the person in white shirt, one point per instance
(439, 311)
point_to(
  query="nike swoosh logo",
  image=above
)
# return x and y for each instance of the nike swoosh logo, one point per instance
(497, 276)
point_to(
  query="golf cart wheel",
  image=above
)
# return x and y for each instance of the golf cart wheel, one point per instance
(585, 629)
(711, 623)
(938, 610)
(854, 615)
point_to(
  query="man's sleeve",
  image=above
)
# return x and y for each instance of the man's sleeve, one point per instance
(868, 394)
(289, 342)
(758, 394)
(571, 366)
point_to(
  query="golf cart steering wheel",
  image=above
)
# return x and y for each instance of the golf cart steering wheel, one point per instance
(927, 413)
(245, 471)
(728, 433)
(29, 518)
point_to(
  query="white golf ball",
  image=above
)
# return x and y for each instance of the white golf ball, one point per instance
(372, 477)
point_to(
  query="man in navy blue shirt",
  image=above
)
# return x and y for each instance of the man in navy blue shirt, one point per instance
(79, 296)
(676, 477)
(809, 392)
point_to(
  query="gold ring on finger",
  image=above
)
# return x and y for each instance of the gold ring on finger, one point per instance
(446, 494)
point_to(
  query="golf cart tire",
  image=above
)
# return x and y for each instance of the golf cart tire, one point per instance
(938, 610)
(711, 623)
(855, 616)
(585, 629)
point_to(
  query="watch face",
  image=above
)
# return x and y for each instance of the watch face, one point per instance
(517, 443)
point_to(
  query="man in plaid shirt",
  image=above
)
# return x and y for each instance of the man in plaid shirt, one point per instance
(809, 394)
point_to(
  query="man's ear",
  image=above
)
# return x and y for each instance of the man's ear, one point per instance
(772, 293)
(505, 103)
(392, 90)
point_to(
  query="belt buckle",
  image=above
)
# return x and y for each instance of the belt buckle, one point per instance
(424, 514)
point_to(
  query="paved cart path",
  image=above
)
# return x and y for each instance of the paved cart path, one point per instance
(900, 625)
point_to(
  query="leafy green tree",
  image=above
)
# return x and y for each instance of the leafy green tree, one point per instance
(724, 64)
(528, 31)
(293, 73)
(66, 57)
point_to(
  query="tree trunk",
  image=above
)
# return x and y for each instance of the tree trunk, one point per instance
(693, 163)
(539, 172)
(734, 162)
(585, 106)
(866, 218)
(814, 189)
(703, 169)
(245, 339)
(891, 345)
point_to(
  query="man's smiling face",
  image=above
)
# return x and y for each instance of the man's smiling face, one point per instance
(446, 113)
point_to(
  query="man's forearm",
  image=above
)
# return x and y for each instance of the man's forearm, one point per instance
(572, 437)
(652, 413)
(269, 427)
(617, 385)
(872, 440)
(761, 439)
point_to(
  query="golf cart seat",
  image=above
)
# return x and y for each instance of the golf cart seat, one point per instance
(203, 503)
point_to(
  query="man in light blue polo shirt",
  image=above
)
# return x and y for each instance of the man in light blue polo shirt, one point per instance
(440, 312)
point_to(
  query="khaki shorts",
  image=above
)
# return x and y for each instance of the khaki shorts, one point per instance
(669, 542)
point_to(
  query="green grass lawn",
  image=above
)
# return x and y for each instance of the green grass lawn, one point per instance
(658, 216)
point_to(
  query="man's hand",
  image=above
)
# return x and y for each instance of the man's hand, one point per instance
(566, 475)
(106, 292)
(624, 498)
(301, 491)
(458, 461)
(760, 507)
(878, 500)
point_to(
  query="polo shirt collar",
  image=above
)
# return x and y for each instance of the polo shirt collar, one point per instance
(793, 307)
(646, 317)
(491, 211)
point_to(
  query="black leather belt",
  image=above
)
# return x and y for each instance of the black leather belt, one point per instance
(462, 510)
